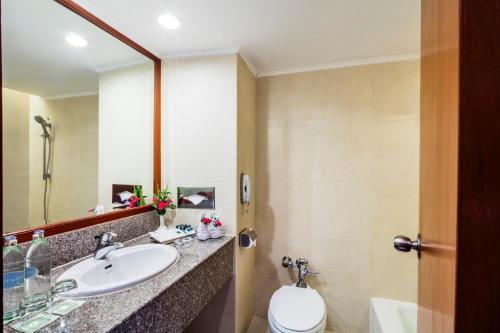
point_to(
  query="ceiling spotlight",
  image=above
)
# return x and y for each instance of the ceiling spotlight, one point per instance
(170, 21)
(76, 40)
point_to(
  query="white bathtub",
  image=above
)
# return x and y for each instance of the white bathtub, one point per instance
(390, 316)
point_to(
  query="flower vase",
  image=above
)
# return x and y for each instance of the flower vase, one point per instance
(163, 225)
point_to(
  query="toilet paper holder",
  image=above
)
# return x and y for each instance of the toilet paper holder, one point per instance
(248, 238)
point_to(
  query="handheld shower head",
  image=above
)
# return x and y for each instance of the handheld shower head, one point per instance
(39, 120)
(46, 161)
(43, 123)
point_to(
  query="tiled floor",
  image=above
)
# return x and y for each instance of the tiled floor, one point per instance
(259, 325)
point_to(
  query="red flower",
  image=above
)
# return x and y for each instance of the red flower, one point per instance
(205, 220)
(218, 223)
(133, 201)
(162, 205)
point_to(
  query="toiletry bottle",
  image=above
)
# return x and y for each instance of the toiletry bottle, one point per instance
(38, 266)
(13, 278)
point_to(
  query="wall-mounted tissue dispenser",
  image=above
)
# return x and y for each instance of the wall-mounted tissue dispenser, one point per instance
(245, 189)
(248, 238)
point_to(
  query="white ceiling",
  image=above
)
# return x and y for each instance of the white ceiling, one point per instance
(36, 59)
(275, 35)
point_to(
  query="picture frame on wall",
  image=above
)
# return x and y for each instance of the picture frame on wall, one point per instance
(196, 197)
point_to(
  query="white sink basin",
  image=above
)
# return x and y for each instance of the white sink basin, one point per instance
(120, 269)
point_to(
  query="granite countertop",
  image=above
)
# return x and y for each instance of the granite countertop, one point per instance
(104, 313)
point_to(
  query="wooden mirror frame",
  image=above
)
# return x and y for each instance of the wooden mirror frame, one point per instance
(69, 225)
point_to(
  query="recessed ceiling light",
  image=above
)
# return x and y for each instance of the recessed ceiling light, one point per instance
(170, 21)
(76, 40)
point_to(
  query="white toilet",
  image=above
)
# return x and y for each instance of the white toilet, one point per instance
(293, 309)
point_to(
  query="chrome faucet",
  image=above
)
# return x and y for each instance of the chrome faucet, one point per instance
(105, 245)
(301, 265)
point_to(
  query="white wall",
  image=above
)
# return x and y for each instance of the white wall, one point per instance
(208, 134)
(126, 129)
(199, 131)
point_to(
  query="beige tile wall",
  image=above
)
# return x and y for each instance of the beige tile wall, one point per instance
(245, 258)
(73, 188)
(74, 135)
(15, 149)
(337, 178)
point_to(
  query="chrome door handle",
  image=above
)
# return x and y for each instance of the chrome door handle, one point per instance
(405, 244)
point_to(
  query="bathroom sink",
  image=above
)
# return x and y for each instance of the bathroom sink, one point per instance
(119, 270)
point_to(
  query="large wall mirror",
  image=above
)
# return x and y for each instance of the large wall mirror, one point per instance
(80, 113)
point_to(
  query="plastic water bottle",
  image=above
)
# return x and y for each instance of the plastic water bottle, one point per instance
(38, 267)
(13, 278)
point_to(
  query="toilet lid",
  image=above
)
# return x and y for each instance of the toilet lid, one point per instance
(297, 309)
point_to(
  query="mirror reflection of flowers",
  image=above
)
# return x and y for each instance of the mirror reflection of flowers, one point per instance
(162, 201)
(137, 199)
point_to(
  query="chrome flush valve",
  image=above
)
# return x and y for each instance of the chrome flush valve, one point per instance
(301, 265)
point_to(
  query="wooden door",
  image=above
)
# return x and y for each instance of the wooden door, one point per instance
(459, 270)
(438, 165)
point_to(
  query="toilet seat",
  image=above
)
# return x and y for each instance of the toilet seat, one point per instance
(276, 328)
(294, 309)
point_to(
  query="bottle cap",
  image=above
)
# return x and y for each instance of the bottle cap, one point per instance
(38, 234)
(10, 240)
